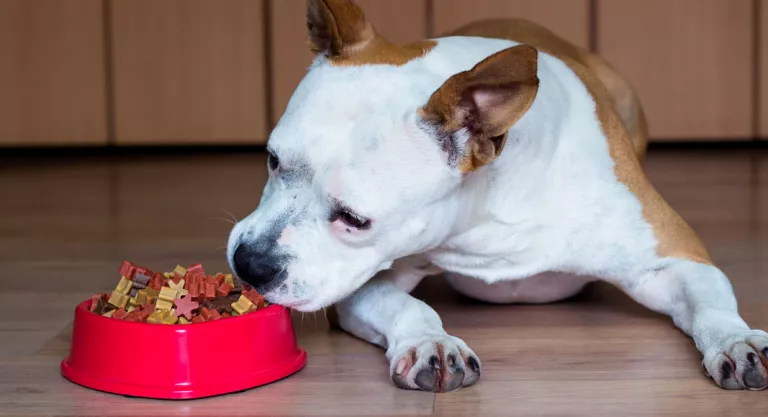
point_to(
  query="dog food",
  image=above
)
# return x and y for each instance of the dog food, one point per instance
(183, 296)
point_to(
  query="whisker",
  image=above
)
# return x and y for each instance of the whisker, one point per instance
(230, 215)
(224, 220)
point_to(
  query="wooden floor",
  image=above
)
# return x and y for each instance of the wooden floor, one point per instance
(66, 223)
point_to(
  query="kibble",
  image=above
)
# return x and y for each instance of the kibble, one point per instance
(183, 296)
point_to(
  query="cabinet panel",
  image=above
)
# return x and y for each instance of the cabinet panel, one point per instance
(52, 88)
(690, 60)
(567, 18)
(189, 71)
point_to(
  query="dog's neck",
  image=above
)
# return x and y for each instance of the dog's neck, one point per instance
(546, 149)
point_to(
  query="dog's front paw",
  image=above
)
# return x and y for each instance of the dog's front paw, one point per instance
(739, 362)
(437, 363)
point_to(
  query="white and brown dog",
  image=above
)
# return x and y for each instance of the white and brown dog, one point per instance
(502, 156)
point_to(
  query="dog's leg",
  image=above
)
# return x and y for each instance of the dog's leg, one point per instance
(421, 354)
(700, 300)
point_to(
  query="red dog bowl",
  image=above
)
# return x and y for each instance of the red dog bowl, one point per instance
(182, 361)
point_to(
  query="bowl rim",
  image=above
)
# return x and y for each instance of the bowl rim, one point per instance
(84, 307)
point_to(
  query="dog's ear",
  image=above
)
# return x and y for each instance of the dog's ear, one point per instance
(337, 28)
(473, 110)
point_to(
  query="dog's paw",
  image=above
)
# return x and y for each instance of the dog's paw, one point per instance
(439, 363)
(739, 362)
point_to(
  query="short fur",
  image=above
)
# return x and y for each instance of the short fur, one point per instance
(502, 156)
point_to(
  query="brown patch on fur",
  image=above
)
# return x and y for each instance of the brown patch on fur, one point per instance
(622, 94)
(382, 52)
(623, 123)
(485, 101)
(339, 29)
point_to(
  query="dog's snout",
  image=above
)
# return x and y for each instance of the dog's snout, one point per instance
(257, 269)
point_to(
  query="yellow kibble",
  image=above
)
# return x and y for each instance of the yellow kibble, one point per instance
(167, 293)
(118, 299)
(180, 270)
(163, 305)
(124, 286)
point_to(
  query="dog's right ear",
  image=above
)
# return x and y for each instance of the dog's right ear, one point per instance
(337, 28)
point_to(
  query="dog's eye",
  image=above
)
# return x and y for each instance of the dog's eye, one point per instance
(352, 220)
(273, 162)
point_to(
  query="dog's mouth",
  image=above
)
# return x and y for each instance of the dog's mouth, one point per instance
(282, 297)
(303, 306)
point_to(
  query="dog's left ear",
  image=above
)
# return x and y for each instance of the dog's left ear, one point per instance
(337, 28)
(474, 109)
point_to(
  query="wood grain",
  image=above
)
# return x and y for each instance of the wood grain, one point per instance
(400, 21)
(567, 18)
(52, 88)
(690, 60)
(189, 71)
(598, 354)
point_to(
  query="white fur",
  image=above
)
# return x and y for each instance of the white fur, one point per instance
(550, 204)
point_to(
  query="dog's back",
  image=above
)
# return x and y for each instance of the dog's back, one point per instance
(623, 97)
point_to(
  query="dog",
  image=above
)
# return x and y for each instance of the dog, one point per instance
(500, 155)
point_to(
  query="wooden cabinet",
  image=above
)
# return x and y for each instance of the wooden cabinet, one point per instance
(400, 21)
(175, 72)
(690, 60)
(762, 92)
(567, 18)
(188, 71)
(52, 78)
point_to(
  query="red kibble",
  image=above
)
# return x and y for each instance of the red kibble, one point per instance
(219, 278)
(155, 285)
(119, 314)
(195, 270)
(95, 301)
(128, 269)
(198, 319)
(185, 307)
(255, 297)
(210, 291)
(225, 315)
(194, 291)
(223, 289)
(210, 279)
(134, 315)
(177, 278)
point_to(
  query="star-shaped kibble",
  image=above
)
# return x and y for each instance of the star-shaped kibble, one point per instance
(179, 287)
(184, 307)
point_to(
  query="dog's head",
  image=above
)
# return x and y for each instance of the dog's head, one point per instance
(365, 164)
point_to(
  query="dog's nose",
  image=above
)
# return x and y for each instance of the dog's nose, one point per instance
(254, 268)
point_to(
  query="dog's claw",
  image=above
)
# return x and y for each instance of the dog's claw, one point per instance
(437, 364)
(740, 363)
